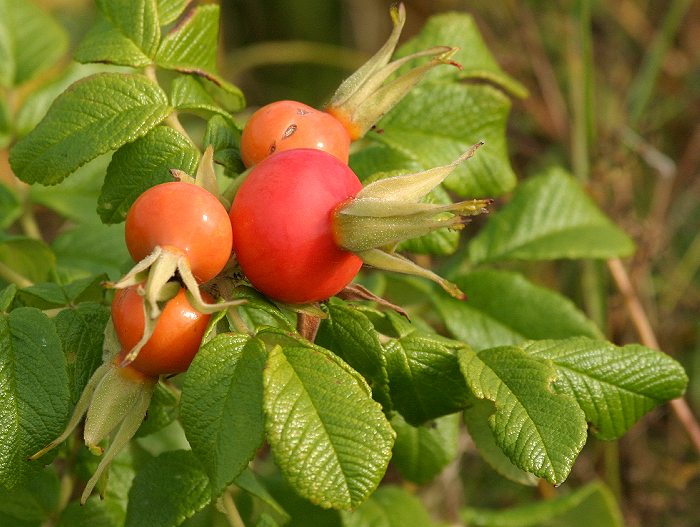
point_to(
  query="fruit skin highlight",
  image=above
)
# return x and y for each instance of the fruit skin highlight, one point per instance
(175, 339)
(282, 224)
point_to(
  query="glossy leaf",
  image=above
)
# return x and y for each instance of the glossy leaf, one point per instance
(97, 114)
(221, 406)
(34, 394)
(137, 20)
(163, 410)
(540, 431)
(349, 334)
(549, 217)
(137, 166)
(476, 417)
(615, 386)
(505, 308)
(192, 44)
(330, 440)
(188, 94)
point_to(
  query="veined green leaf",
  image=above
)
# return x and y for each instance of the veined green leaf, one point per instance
(614, 386)
(191, 48)
(592, 504)
(137, 166)
(34, 395)
(167, 490)
(81, 330)
(97, 114)
(136, 19)
(349, 334)
(192, 44)
(170, 10)
(436, 123)
(549, 217)
(30, 41)
(540, 431)
(221, 406)
(163, 410)
(424, 376)
(476, 417)
(504, 308)
(189, 95)
(330, 439)
(421, 452)
(459, 30)
(107, 44)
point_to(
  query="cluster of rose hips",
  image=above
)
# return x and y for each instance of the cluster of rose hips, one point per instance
(299, 228)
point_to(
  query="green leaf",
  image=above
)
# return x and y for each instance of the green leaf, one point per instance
(74, 198)
(549, 217)
(459, 30)
(107, 44)
(476, 417)
(330, 439)
(349, 334)
(95, 512)
(424, 376)
(258, 311)
(48, 295)
(97, 114)
(421, 452)
(170, 10)
(592, 504)
(188, 94)
(30, 41)
(137, 166)
(167, 490)
(436, 123)
(390, 506)
(89, 250)
(7, 296)
(614, 386)
(136, 19)
(221, 406)
(81, 331)
(225, 139)
(191, 48)
(34, 394)
(504, 308)
(36, 500)
(540, 431)
(192, 44)
(250, 483)
(10, 208)
(29, 257)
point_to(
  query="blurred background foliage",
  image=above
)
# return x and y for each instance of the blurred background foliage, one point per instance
(614, 97)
